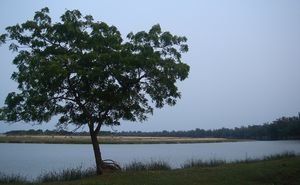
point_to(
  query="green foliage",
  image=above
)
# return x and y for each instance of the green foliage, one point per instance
(280, 129)
(83, 71)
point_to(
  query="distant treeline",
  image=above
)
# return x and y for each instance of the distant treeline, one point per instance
(283, 128)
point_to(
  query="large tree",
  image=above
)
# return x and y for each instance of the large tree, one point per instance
(84, 72)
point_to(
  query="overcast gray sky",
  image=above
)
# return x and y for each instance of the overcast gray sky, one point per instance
(244, 56)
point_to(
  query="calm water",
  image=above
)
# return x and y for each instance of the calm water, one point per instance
(31, 160)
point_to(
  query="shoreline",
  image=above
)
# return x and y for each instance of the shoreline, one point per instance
(56, 139)
(250, 171)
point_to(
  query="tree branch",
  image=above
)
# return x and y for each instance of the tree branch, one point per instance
(78, 101)
(62, 98)
(97, 129)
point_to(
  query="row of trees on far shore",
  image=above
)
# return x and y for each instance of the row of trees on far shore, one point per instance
(283, 128)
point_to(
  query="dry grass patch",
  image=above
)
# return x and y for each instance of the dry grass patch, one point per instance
(107, 139)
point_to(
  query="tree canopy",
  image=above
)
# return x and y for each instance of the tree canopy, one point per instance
(84, 71)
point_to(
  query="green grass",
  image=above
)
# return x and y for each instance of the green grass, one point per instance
(198, 163)
(279, 171)
(13, 178)
(150, 166)
(66, 174)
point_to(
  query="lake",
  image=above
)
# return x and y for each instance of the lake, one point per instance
(30, 160)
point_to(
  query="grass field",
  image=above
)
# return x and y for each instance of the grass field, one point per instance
(271, 172)
(107, 139)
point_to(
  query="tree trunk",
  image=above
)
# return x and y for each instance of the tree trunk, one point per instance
(97, 152)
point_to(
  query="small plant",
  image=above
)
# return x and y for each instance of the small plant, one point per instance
(13, 178)
(153, 165)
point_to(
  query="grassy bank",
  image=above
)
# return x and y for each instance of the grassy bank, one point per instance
(273, 170)
(107, 139)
